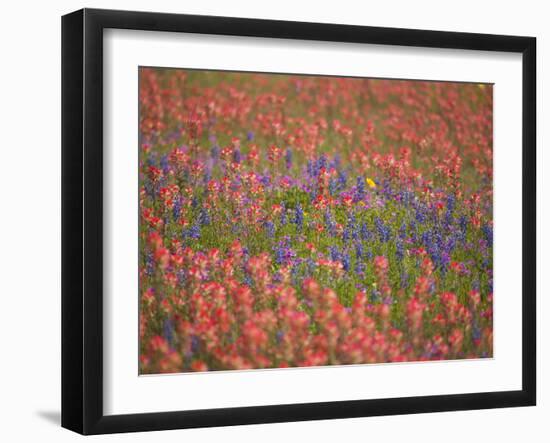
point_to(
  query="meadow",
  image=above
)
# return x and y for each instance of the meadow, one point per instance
(290, 221)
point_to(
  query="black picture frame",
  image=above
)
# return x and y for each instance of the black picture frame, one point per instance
(82, 218)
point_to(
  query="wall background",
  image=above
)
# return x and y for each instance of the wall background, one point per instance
(30, 189)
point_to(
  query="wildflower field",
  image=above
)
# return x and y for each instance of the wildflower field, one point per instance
(291, 220)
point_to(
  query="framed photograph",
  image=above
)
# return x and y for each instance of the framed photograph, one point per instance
(269, 221)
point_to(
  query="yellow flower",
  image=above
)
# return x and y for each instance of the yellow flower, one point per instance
(371, 183)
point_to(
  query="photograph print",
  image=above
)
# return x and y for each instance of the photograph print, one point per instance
(301, 220)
